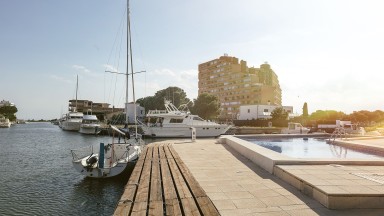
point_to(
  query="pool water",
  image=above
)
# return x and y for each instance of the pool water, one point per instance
(309, 148)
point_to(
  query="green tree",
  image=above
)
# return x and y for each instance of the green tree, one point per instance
(175, 94)
(327, 116)
(118, 119)
(148, 103)
(279, 114)
(9, 112)
(206, 106)
(305, 110)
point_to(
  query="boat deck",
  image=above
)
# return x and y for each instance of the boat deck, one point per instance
(161, 184)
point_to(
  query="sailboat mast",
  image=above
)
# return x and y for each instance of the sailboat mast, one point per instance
(133, 82)
(77, 86)
(127, 69)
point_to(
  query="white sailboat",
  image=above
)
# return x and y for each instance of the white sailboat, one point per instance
(72, 120)
(112, 159)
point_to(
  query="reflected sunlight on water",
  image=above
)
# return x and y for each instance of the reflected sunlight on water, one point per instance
(37, 177)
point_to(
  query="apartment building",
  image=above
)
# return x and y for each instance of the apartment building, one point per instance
(236, 84)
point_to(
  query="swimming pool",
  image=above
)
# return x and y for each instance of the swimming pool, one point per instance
(308, 148)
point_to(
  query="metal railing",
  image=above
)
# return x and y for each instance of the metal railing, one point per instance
(338, 133)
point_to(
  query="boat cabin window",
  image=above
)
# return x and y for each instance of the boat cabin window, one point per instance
(173, 120)
(198, 118)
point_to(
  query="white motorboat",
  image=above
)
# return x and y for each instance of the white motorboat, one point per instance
(72, 120)
(4, 122)
(90, 125)
(295, 128)
(112, 159)
(175, 123)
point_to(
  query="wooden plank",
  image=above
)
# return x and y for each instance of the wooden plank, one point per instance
(168, 152)
(189, 206)
(156, 208)
(206, 206)
(127, 198)
(161, 152)
(136, 173)
(156, 190)
(143, 189)
(197, 190)
(180, 185)
(140, 209)
(122, 209)
(172, 206)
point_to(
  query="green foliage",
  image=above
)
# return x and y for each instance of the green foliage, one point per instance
(305, 110)
(327, 116)
(175, 94)
(363, 117)
(118, 119)
(279, 114)
(206, 106)
(366, 117)
(9, 112)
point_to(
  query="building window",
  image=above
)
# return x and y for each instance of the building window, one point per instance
(249, 110)
(265, 110)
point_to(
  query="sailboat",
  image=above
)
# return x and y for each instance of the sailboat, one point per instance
(112, 159)
(72, 120)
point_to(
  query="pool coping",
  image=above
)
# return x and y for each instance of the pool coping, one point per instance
(277, 164)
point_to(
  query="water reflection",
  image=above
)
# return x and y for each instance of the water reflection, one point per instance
(309, 148)
(37, 176)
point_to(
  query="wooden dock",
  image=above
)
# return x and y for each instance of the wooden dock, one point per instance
(161, 184)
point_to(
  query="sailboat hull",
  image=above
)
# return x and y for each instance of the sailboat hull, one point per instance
(100, 172)
(115, 160)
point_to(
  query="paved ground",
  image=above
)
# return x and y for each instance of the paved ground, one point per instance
(239, 187)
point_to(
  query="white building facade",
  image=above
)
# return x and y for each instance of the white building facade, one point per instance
(130, 109)
(252, 112)
(6, 103)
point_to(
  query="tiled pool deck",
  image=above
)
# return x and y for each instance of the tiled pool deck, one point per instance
(238, 183)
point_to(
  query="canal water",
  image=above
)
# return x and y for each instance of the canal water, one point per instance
(37, 176)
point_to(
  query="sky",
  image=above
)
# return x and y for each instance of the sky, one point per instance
(327, 53)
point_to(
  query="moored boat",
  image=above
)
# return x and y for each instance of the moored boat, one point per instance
(90, 125)
(112, 159)
(72, 120)
(175, 123)
(295, 128)
(4, 122)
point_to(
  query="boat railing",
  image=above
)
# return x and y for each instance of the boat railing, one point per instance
(77, 154)
(154, 112)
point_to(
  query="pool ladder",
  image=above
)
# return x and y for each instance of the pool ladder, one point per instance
(338, 133)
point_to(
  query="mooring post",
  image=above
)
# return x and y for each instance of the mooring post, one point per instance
(101, 156)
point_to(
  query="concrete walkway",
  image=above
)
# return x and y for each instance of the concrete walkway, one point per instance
(239, 187)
